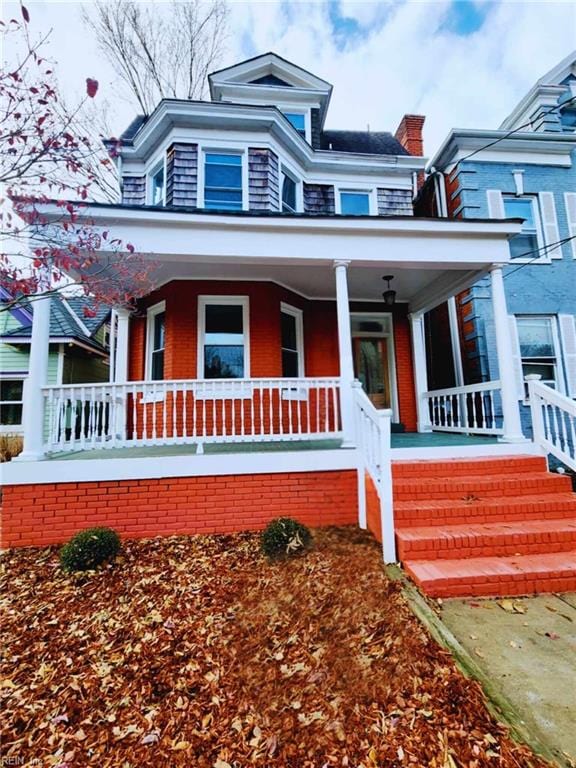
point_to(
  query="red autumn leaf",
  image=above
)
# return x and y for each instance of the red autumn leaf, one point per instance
(91, 87)
(129, 247)
(25, 14)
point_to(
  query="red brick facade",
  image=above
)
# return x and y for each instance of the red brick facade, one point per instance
(38, 515)
(320, 334)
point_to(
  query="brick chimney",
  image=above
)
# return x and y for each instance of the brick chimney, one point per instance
(409, 134)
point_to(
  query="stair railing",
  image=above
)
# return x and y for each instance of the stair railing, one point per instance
(553, 421)
(373, 443)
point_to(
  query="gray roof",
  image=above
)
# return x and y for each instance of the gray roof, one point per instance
(63, 324)
(363, 142)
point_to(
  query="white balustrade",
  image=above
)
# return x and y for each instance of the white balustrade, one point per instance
(173, 412)
(373, 443)
(471, 409)
(553, 421)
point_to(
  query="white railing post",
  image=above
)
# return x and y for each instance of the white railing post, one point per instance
(538, 433)
(386, 492)
(345, 353)
(510, 406)
(420, 371)
(120, 363)
(33, 396)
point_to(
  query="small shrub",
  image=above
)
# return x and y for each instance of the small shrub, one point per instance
(10, 447)
(89, 549)
(283, 537)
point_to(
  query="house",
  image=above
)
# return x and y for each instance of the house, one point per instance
(277, 366)
(526, 169)
(78, 350)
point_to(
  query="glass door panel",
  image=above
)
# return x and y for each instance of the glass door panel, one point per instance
(371, 368)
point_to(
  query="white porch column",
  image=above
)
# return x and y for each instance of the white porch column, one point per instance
(121, 362)
(455, 339)
(510, 407)
(33, 407)
(420, 371)
(345, 352)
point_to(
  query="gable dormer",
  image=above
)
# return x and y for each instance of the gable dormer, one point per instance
(550, 105)
(273, 81)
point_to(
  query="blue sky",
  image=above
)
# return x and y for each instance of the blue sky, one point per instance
(462, 64)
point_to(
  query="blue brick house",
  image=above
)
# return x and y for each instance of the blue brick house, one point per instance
(525, 169)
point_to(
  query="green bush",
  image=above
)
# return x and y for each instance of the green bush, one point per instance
(283, 537)
(89, 549)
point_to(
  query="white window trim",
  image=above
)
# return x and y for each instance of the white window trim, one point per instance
(150, 175)
(203, 301)
(151, 313)
(209, 149)
(544, 257)
(284, 169)
(370, 190)
(298, 314)
(560, 380)
(9, 429)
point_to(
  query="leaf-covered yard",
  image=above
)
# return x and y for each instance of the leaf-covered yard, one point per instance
(195, 651)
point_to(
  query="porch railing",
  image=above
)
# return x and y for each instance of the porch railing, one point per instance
(373, 444)
(93, 416)
(473, 408)
(553, 422)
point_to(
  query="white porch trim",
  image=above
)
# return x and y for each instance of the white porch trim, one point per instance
(345, 353)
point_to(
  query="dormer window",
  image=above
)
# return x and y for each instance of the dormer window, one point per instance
(298, 120)
(223, 181)
(354, 202)
(288, 193)
(157, 188)
(568, 119)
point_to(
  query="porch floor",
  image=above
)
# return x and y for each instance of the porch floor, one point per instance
(399, 440)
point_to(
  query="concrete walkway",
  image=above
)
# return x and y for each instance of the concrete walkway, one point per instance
(528, 648)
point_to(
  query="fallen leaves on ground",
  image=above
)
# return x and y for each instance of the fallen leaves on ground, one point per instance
(195, 651)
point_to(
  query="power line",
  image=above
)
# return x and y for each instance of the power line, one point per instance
(544, 248)
(506, 135)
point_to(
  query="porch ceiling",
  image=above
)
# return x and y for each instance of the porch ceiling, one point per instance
(413, 283)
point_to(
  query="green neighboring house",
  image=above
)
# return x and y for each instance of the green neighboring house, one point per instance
(79, 350)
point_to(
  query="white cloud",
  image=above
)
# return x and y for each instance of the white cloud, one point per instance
(404, 65)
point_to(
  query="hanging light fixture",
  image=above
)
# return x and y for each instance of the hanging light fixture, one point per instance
(389, 295)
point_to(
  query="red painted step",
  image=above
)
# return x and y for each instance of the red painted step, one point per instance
(486, 539)
(490, 576)
(493, 509)
(480, 466)
(486, 526)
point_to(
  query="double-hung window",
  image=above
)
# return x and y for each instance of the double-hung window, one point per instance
(223, 342)
(291, 334)
(288, 193)
(526, 243)
(223, 181)
(156, 342)
(157, 193)
(539, 348)
(11, 400)
(298, 120)
(354, 202)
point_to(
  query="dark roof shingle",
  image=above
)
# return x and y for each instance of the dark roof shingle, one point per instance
(362, 142)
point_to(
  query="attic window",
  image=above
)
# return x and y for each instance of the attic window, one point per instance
(298, 120)
(157, 186)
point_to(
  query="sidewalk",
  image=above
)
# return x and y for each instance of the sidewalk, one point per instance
(528, 648)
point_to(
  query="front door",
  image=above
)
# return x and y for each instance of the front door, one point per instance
(372, 368)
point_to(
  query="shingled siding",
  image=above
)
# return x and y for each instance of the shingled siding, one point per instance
(319, 198)
(263, 180)
(315, 126)
(395, 202)
(134, 190)
(182, 175)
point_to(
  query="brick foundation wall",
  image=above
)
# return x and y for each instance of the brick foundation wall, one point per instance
(38, 515)
(373, 517)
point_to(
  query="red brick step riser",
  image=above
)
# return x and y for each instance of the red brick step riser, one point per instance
(507, 588)
(510, 512)
(481, 487)
(504, 545)
(461, 467)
